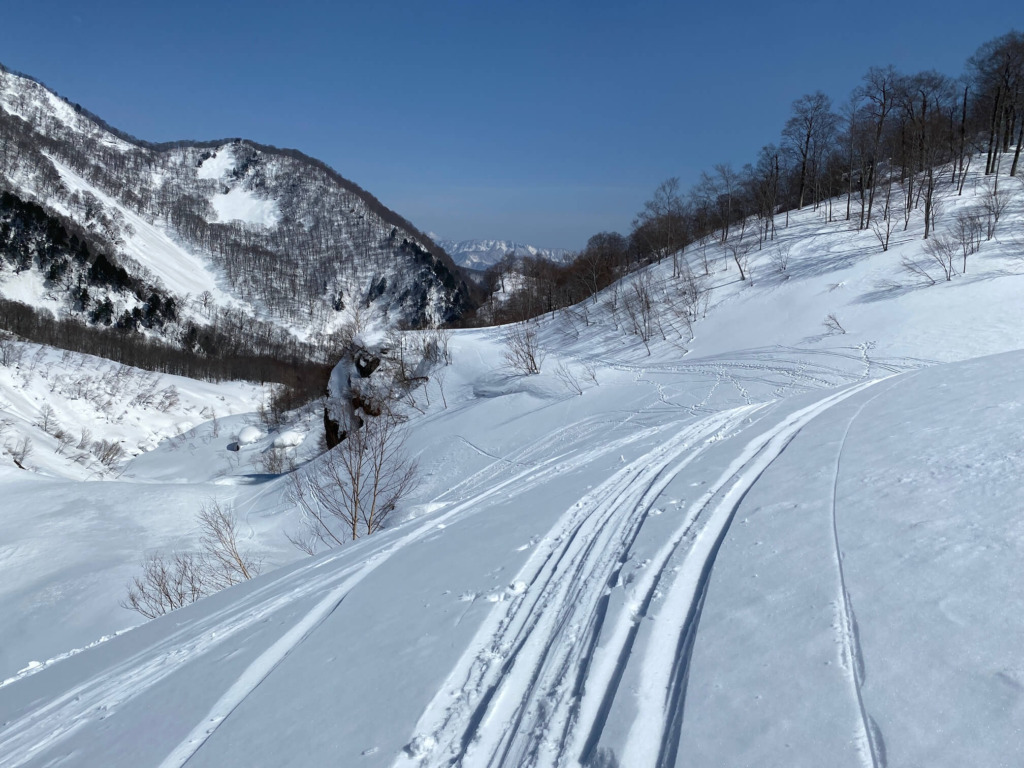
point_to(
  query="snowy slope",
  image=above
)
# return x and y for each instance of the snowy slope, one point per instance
(761, 545)
(565, 624)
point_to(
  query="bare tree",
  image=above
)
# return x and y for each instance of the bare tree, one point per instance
(662, 222)
(522, 349)
(165, 584)
(878, 96)
(832, 324)
(779, 256)
(349, 491)
(47, 418)
(20, 451)
(565, 375)
(883, 230)
(11, 351)
(967, 230)
(439, 376)
(691, 300)
(638, 304)
(806, 135)
(436, 343)
(995, 202)
(943, 250)
(64, 440)
(109, 452)
(740, 250)
(168, 582)
(85, 440)
(224, 562)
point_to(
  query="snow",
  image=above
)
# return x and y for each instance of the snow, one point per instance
(289, 439)
(178, 269)
(239, 204)
(763, 545)
(219, 165)
(249, 435)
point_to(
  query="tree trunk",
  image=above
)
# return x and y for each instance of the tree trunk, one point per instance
(1016, 154)
(990, 158)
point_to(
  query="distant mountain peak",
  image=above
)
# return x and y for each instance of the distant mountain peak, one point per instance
(479, 254)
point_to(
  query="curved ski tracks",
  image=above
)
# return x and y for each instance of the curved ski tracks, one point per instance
(654, 733)
(870, 743)
(537, 684)
(98, 697)
(513, 698)
(569, 651)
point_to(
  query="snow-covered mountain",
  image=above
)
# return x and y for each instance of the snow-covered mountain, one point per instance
(265, 232)
(481, 254)
(784, 532)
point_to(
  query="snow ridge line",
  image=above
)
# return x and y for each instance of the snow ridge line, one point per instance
(654, 734)
(548, 632)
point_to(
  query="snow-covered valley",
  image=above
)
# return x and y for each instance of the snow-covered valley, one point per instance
(774, 543)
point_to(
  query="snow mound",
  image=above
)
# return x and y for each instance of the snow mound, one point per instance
(289, 439)
(249, 435)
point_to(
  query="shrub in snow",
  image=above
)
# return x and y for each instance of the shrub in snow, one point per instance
(522, 349)
(350, 490)
(170, 582)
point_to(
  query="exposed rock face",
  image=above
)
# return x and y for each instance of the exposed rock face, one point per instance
(348, 397)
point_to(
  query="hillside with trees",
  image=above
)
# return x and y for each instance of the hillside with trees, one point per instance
(875, 161)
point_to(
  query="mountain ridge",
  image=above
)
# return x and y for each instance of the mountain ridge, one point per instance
(480, 253)
(335, 249)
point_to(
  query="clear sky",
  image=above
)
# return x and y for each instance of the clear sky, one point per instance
(542, 122)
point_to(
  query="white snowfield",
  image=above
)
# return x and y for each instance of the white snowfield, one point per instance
(766, 546)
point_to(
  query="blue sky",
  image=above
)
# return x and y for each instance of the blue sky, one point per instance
(543, 122)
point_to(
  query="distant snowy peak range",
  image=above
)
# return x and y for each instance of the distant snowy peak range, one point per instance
(481, 254)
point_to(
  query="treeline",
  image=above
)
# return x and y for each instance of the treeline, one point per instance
(72, 264)
(294, 368)
(875, 160)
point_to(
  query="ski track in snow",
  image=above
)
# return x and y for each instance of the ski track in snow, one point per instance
(100, 696)
(536, 685)
(870, 742)
(654, 733)
(512, 698)
(555, 712)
